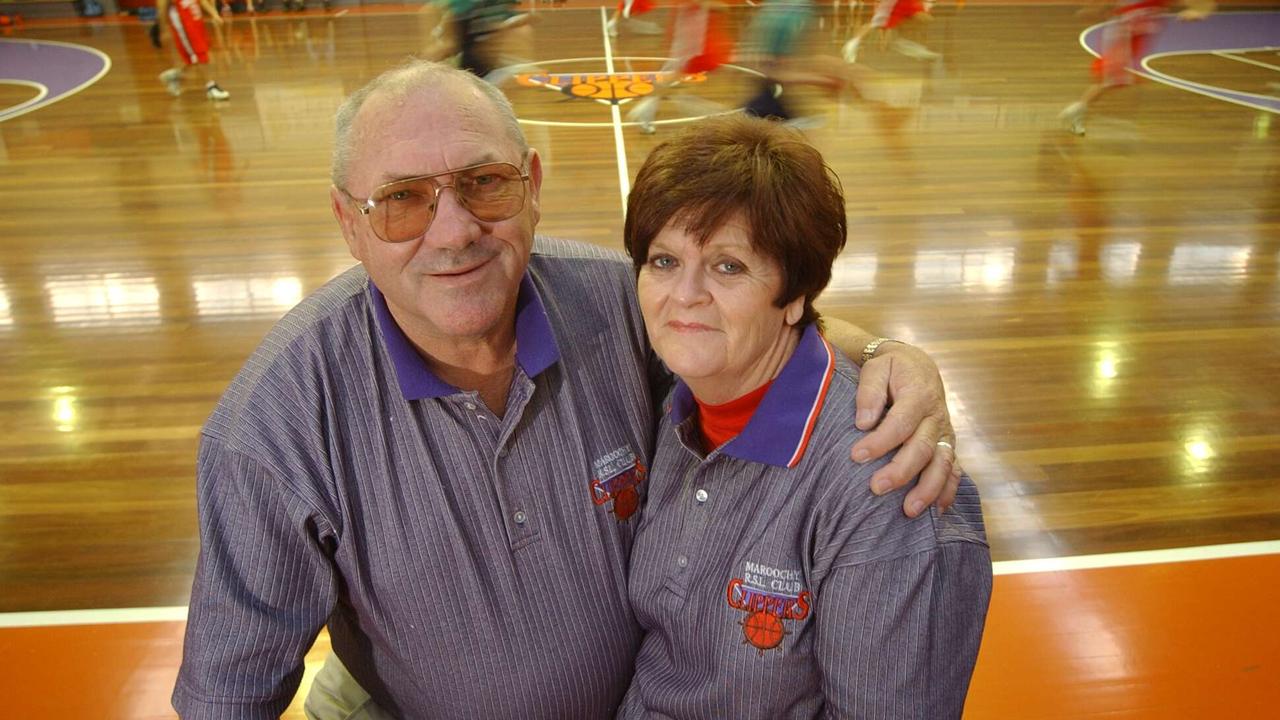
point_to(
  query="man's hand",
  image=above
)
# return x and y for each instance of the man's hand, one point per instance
(917, 420)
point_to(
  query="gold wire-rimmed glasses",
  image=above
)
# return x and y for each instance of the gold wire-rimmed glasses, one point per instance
(402, 210)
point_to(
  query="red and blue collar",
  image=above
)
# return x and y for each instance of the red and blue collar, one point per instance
(779, 431)
(536, 348)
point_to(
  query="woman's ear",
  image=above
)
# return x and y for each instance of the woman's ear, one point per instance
(794, 311)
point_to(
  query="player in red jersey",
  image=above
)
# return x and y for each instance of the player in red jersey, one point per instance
(1125, 40)
(889, 15)
(189, 40)
(700, 42)
(628, 10)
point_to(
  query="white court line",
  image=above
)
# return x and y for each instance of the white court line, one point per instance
(41, 92)
(1008, 567)
(93, 617)
(1251, 61)
(1201, 88)
(1141, 557)
(624, 175)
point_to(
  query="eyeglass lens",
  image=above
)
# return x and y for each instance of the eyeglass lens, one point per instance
(403, 210)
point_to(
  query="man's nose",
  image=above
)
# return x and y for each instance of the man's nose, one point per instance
(453, 225)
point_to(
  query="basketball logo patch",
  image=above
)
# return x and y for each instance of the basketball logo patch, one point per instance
(769, 597)
(617, 477)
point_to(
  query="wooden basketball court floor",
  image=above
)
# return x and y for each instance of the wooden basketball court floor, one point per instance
(1105, 310)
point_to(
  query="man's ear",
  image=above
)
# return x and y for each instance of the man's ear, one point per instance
(535, 184)
(346, 216)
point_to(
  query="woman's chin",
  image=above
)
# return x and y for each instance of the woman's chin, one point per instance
(688, 371)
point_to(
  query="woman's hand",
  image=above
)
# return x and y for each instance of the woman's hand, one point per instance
(906, 380)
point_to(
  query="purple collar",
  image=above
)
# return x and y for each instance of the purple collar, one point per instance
(779, 431)
(535, 344)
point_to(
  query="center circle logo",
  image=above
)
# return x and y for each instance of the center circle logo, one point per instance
(541, 89)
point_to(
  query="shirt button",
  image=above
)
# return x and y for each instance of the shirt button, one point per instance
(470, 406)
(700, 496)
(520, 517)
(682, 561)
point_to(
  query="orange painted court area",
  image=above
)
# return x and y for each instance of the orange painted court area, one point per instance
(1067, 644)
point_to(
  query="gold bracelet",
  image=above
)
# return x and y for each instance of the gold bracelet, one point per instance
(870, 350)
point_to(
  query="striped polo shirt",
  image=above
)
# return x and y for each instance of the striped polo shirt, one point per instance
(772, 583)
(468, 566)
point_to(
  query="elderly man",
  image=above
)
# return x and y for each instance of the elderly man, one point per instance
(438, 453)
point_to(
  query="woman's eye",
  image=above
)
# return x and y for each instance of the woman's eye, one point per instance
(662, 262)
(729, 267)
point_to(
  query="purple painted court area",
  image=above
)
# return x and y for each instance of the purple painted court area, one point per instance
(1216, 33)
(61, 68)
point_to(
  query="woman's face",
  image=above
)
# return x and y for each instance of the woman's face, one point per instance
(710, 313)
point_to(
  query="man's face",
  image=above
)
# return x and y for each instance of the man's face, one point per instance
(459, 279)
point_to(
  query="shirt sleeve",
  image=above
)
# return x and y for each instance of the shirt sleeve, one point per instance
(898, 638)
(264, 586)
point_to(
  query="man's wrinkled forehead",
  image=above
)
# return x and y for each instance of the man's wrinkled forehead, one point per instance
(457, 109)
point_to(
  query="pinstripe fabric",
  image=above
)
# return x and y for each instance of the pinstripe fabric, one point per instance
(458, 558)
(796, 593)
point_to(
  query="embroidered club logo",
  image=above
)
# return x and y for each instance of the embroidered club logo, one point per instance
(608, 88)
(769, 596)
(617, 476)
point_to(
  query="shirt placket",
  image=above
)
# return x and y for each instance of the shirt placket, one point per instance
(510, 471)
(694, 518)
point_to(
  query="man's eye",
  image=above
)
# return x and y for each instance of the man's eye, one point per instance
(483, 180)
(399, 195)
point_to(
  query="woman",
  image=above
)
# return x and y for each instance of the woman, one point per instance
(771, 582)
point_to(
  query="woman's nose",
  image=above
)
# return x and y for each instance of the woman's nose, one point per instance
(691, 286)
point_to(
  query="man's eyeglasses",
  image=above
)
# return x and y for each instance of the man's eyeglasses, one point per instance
(403, 210)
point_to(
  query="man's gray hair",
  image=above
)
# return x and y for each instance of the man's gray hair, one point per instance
(413, 75)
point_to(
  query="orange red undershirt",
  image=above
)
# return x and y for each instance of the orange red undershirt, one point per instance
(722, 423)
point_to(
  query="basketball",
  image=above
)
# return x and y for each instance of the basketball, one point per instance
(763, 630)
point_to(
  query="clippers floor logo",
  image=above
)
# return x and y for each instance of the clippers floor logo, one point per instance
(542, 89)
(607, 88)
(769, 597)
(617, 476)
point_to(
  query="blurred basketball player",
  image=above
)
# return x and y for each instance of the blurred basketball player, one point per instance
(1126, 39)
(891, 14)
(773, 42)
(190, 43)
(700, 42)
(626, 12)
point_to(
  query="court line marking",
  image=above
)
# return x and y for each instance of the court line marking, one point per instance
(5, 113)
(1251, 61)
(41, 91)
(619, 145)
(1139, 557)
(1201, 88)
(1189, 85)
(178, 613)
(110, 616)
